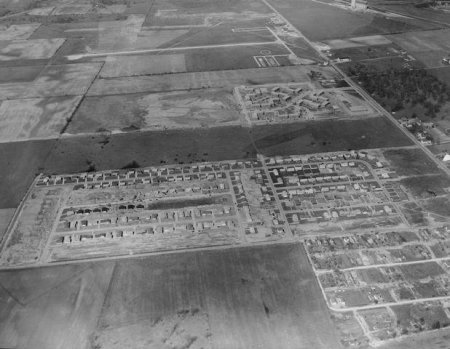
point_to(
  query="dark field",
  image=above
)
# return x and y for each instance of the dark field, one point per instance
(21, 161)
(260, 297)
(326, 136)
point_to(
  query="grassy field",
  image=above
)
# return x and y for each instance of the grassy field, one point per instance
(259, 297)
(325, 136)
(229, 58)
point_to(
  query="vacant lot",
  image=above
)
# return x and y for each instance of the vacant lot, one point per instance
(427, 186)
(155, 111)
(408, 162)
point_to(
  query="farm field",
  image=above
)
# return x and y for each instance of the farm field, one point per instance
(23, 119)
(52, 81)
(195, 298)
(182, 109)
(281, 304)
(38, 306)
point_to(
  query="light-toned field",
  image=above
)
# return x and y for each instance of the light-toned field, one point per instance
(29, 49)
(358, 41)
(129, 35)
(23, 119)
(72, 9)
(155, 111)
(430, 40)
(117, 66)
(258, 297)
(54, 80)
(212, 79)
(17, 31)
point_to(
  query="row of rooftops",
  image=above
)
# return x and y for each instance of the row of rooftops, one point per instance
(149, 172)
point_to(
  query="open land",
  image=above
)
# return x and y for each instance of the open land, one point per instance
(219, 174)
(194, 298)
